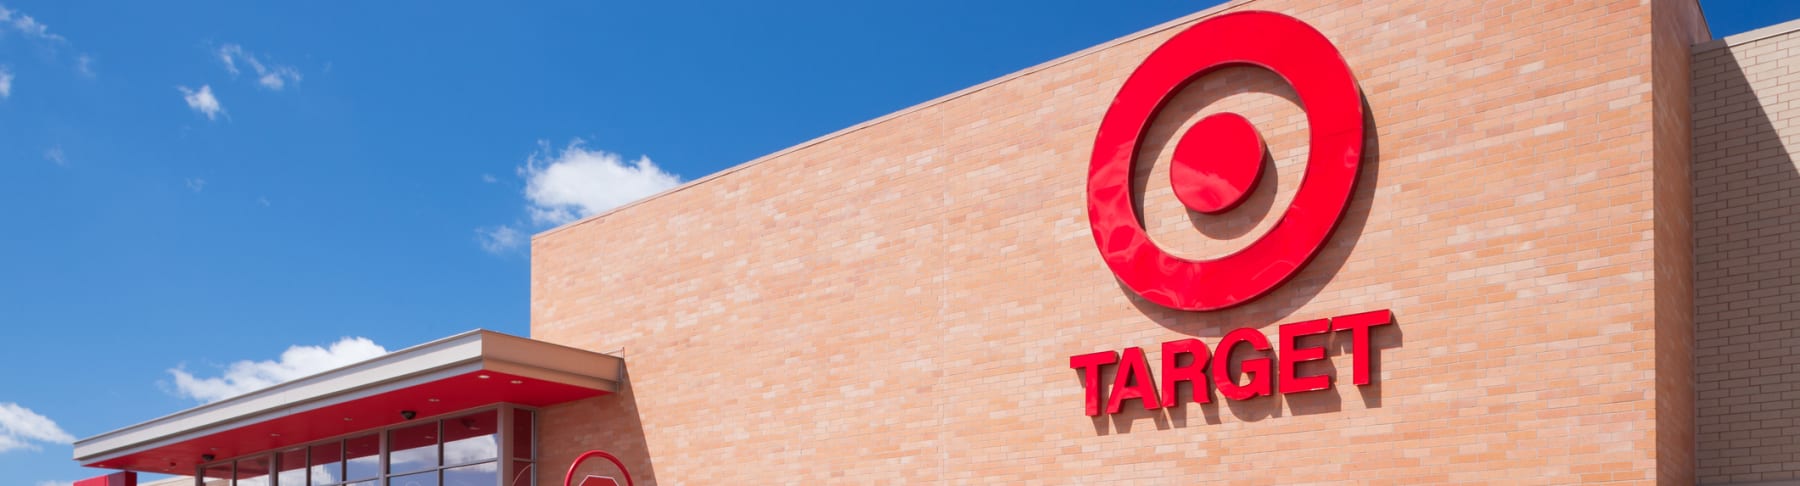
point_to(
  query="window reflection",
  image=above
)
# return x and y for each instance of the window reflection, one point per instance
(428, 478)
(471, 438)
(327, 463)
(253, 471)
(453, 451)
(413, 448)
(292, 467)
(486, 474)
(364, 458)
(522, 434)
(217, 475)
(520, 474)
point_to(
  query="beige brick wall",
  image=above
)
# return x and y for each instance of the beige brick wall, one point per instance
(897, 302)
(1747, 253)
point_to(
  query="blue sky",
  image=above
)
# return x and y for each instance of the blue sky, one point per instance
(194, 190)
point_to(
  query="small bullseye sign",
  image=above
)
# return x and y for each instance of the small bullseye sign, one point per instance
(593, 480)
(599, 481)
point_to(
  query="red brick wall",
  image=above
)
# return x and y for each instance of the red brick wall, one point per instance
(1747, 191)
(1677, 26)
(898, 301)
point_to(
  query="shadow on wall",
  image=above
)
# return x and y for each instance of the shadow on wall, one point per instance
(1259, 408)
(1281, 302)
(609, 423)
(1746, 266)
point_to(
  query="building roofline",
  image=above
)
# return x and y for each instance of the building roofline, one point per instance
(466, 352)
(1748, 37)
(1165, 26)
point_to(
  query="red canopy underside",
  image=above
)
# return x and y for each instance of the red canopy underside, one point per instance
(452, 394)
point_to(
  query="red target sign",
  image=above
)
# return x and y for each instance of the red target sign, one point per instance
(593, 480)
(1219, 160)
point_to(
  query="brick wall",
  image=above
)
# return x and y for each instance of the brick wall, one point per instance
(897, 301)
(1747, 256)
(1677, 27)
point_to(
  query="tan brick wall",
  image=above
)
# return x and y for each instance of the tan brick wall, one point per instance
(1747, 229)
(897, 302)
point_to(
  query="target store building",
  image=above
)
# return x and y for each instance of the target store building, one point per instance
(1273, 242)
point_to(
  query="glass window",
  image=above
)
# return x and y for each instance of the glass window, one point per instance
(484, 474)
(522, 428)
(327, 463)
(520, 474)
(413, 448)
(363, 458)
(218, 474)
(472, 438)
(427, 478)
(292, 467)
(253, 471)
(454, 451)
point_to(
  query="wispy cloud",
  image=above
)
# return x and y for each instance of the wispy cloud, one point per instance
(6, 78)
(55, 154)
(23, 429)
(202, 101)
(29, 27)
(270, 76)
(196, 184)
(298, 361)
(499, 239)
(55, 483)
(35, 31)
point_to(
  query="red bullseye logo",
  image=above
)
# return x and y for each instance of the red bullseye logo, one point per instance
(1219, 160)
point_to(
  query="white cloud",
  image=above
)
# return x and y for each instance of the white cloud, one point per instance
(28, 26)
(21, 428)
(6, 78)
(33, 30)
(278, 77)
(196, 184)
(55, 154)
(272, 76)
(499, 239)
(202, 101)
(298, 361)
(471, 449)
(577, 182)
(55, 483)
(227, 54)
(479, 448)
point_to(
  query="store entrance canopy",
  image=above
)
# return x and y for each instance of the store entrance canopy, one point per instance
(467, 370)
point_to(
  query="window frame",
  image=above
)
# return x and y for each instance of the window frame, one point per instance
(503, 461)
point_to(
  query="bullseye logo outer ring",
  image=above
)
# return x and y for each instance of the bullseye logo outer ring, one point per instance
(1327, 90)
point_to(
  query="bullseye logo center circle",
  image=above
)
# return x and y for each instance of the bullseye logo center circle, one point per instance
(1218, 160)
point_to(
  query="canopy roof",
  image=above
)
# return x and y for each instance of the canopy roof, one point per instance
(459, 372)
